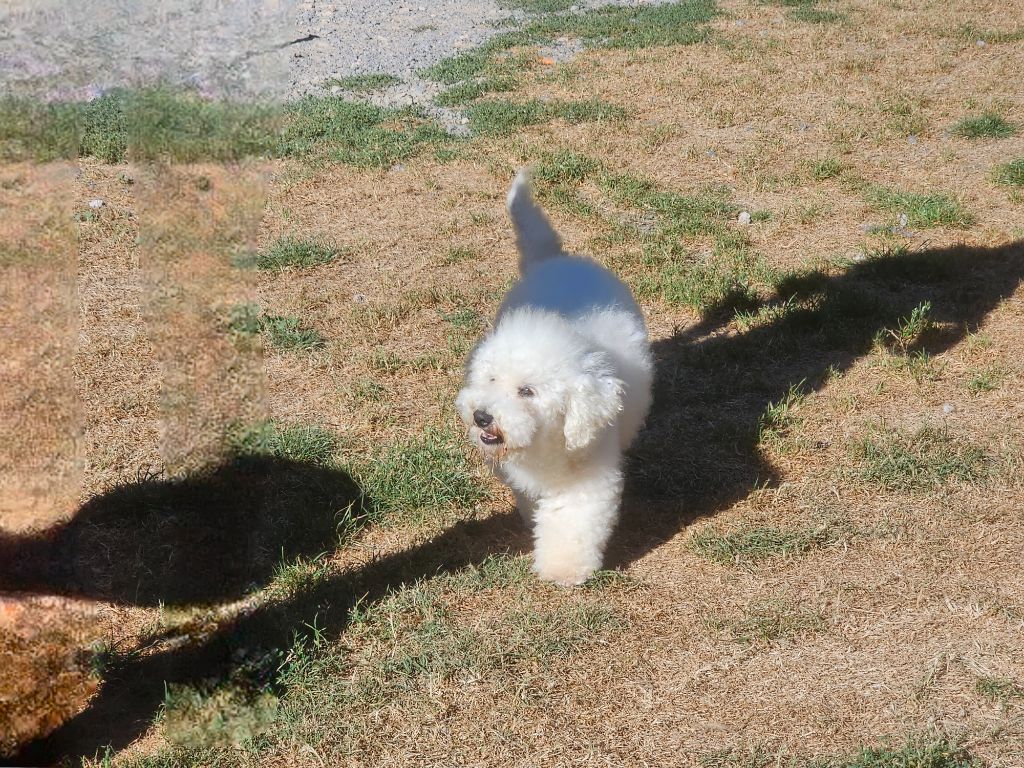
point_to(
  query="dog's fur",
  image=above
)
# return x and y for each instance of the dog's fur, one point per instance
(557, 391)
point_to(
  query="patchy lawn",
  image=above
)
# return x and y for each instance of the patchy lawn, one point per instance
(239, 524)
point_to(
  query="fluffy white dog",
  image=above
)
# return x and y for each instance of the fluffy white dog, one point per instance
(557, 391)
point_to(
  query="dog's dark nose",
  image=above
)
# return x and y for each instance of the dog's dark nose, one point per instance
(482, 418)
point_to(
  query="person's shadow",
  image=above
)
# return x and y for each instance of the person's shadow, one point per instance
(698, 454)
(206, 537)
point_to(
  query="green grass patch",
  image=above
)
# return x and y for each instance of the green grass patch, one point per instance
(680, 215)
(678, 23)
(537, 6)
(167, 124)
(419, 475)
(298, 252)
(1011, 174)
(753, 544)
(808, 12)
(826, 168)
(999, 689)
(986, 379)
(921, 210)
(565, 167)
(768, 621)
(333, 129)
(145, 124)
(501, 118)
(282, 332)
(915, 753)
(295, 442)
(365, 83)
(476, 61)
(988, 125)
(973, 33)
(464, 93)
(925, 459)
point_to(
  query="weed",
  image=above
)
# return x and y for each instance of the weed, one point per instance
(911, 329)
(702, 213)
(921, 210)
(986, 379)
(287, 332)
(1011, 174)
(970, 32)
(826, 168)
(988, 125)
(290, 251)
(283, 332)
(765, 622)
(999, 689)
(466, 319)
(299, 575)
(224, 715)
(927, 458)
(778, 417)
(457, 254)
(367, 389)
(565, 167)
(916, 753)
(904, 116)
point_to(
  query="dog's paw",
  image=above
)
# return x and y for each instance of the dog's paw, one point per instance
(564, 574)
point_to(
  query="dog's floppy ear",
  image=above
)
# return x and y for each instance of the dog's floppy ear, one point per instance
(594, 398)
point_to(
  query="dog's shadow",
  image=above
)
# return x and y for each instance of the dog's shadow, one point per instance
(698, 454)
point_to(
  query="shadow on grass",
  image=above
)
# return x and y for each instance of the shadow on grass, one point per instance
(699, 454)
(206, 537)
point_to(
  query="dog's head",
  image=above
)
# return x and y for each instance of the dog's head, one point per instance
(532, 382)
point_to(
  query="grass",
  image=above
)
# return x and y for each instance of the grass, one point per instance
(144, 124)
(779, 417)
(921, 210)
(322, 129)
(986, 379)
(416, 476)
(537, 6)
(166, 124)
(1010, 174)
(930, 752)
(293, 441)
(365, 83)
(999, 689)
(754, 544)
(826, 168)
(679, 23)
(502, 118)
(290, 251)
(283, 332)
(988, 125)
(464, 93)
(925, 459)
(768, 621)
(971, 32)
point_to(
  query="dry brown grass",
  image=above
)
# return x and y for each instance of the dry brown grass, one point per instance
(880, 630)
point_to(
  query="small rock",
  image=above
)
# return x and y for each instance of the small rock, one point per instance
(912, 140)
(948, 408)
(857, 258)
(744, 217)
(903, 220)
(359, 298)
(712, 153)
(980, 43)
(464, 120)
(97, 203)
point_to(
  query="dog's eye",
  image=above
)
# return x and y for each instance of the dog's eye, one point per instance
(526, 392)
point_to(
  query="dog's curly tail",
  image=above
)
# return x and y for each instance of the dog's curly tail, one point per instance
(536, 239)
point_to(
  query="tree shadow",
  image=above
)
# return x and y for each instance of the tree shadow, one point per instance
(698, 454)
(205, 537)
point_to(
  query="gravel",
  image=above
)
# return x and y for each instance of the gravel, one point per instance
(277, 49)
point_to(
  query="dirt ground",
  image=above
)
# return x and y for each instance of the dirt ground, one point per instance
(901, 615)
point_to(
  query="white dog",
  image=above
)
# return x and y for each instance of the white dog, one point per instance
(557, 391)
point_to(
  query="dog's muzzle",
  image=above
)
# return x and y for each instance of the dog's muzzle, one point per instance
(489, 434)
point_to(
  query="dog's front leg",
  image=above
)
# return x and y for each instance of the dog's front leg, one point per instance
(572, 527)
